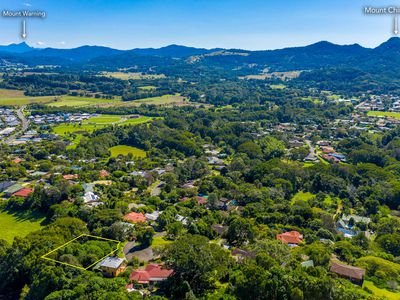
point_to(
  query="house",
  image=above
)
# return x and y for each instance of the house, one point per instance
(103, 173)
(354, 274)
(135, 217)
(153, 216)
(12, 189)
(345, 226)
(219, 229)
(240, 254)
(112, 266)
(70, 176)
(311, 158)
(153, 273)
(307, 263)
(90, 197)
(201, 200)
(327, 149)
(292, 238)
(5, 185)
(23, 193)
(16, 160)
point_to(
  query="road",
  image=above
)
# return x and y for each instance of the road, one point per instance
(24, 125)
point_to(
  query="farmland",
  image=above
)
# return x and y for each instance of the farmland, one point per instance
(132, 75)
(19, 224)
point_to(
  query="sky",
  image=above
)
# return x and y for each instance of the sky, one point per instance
(244, 24)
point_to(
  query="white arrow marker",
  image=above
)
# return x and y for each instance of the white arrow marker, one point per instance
(395, 25)
(23, 32)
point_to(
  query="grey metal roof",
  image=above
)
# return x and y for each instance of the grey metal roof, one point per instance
(112, 262)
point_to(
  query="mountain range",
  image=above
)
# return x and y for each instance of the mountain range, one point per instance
(319, 55)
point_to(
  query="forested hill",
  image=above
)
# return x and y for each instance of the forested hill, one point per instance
(316, 56)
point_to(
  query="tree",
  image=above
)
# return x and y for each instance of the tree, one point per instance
(240, 230)
(144, 235)
(195, 261)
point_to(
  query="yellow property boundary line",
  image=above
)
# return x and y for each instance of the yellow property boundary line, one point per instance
(74, 239)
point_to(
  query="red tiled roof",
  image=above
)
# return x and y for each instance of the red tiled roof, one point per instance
(23, 193)
(17, 160)
(103, 173)
(290, 237)
(141, 276)
(152, 272)
(70, 176)
(158, 271)
(201, 200)
(347, 271)
(135, 217)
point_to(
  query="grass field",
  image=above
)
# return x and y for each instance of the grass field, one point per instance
(306, 196)
(74, 101)
(161, 100)
(380, 292)
(277, 86)
(159, 241)
(132, 75)
(125, 150)
(392, 114)
(18, 224)
(17, 98)
(147, 88)
(98, 122)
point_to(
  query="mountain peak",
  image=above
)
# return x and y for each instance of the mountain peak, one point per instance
(16, 48)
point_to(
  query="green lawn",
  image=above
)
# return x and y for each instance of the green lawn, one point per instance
(74, 101)
(301, 196)
(380, 292)
(159, 241)
(384, 114)
(305, 196)
(125, 150)
(18, 224)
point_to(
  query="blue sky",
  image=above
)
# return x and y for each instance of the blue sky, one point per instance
(246, 24)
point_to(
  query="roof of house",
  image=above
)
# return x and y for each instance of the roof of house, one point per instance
(135, 217)
(70, 176)
(23, 192)
(356, 219)
(290, 237)
(103, 173)
(347, 271)
(14, 188)
(152, 272)
(158, 271)
(141, 276)
(112, 262)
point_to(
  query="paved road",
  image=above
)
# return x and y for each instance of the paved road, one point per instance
(24, 125)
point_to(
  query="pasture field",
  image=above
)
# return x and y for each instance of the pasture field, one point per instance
(76, 101)
(125, 150)
(380, 292)
(132, 75)
(95, 123)
(17, 98)
(277, 86)
(20, 224)
(147, 88)
(392, 114)
(161, 100)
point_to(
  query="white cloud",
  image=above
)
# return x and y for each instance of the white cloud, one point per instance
(62, 43)
(27, 4)
(40, 43)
